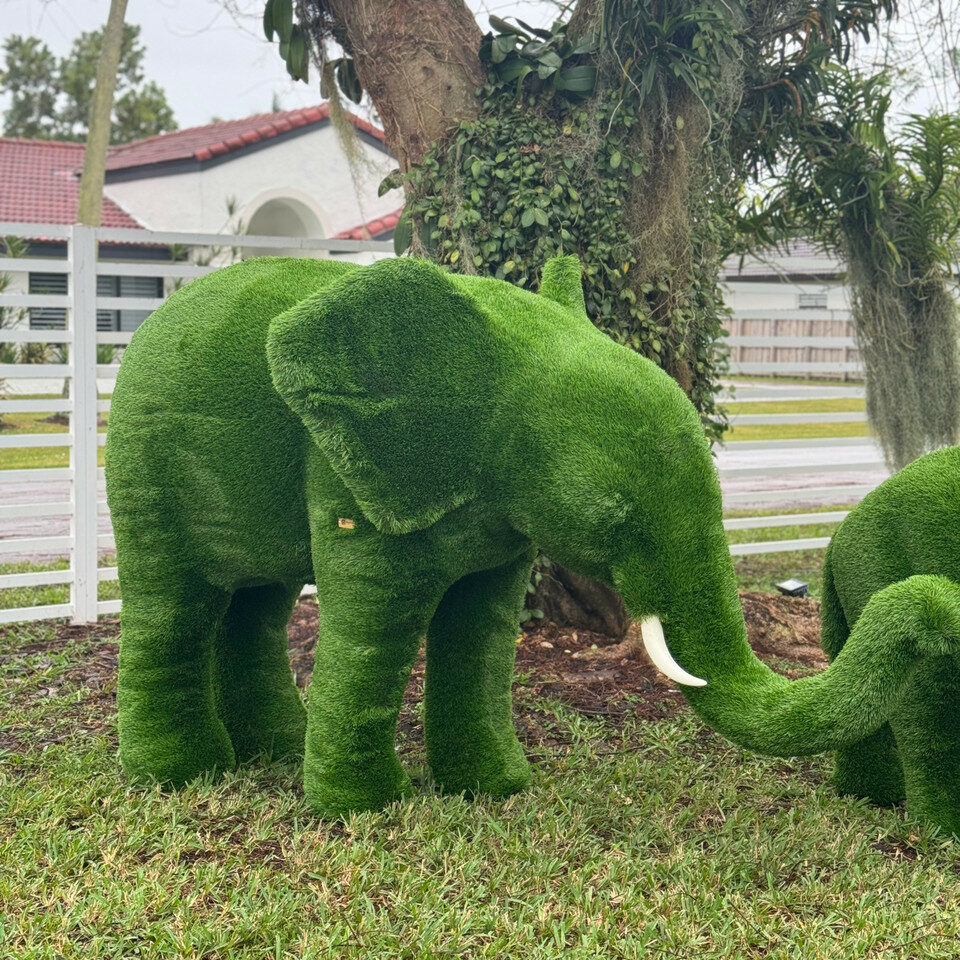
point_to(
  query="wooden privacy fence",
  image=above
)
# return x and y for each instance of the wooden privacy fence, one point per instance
(85, 260)
(799, 342)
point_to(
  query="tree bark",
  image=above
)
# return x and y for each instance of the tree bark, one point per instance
(98, 133)
(573, 600)
(585, 17)
(418, 61)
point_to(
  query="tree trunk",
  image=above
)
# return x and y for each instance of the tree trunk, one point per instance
(418, 61)
(573, 600)
(586, 16)
(98, 134)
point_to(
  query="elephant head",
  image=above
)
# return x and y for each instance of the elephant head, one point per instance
(428, 391)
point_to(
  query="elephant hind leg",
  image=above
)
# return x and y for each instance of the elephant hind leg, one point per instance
(870, 769)
(257, 698)
(169, 728)
(471, 743)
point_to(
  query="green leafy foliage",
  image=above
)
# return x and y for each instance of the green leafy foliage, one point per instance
(658, 43)
(278, 22)
(50, 98)
(540, 60)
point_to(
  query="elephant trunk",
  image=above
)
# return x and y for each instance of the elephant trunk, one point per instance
(705, 650)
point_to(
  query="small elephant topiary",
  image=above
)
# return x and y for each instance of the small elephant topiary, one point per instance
(893, 567)
(406, 439)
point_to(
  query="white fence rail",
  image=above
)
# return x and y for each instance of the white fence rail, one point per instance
(81, 338)
(84, 506)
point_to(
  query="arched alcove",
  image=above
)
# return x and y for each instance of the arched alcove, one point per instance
(283, 217)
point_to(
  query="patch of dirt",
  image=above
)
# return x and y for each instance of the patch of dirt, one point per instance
(588, 672)
(898, 850)
(784, 628)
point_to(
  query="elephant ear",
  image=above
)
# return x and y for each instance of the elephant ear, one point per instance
(392, 371)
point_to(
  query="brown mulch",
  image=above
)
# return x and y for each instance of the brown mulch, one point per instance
(574, 667)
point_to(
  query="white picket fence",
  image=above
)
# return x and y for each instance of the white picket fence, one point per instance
(81, 371)
(84, 505)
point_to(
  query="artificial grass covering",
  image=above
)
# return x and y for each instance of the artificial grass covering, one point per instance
(406, 439)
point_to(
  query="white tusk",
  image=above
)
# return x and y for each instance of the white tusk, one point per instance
(657, 650)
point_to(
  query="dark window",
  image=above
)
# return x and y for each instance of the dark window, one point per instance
(109, 286)
(48, 318)
(55, 318)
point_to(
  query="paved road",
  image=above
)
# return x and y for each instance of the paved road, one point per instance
(824, 468)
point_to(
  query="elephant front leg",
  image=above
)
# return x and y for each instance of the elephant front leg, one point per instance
(927, 728)
(471, 645)
(365, 651)
(871, 769)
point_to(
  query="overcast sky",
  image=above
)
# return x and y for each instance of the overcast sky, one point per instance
(210, 64)
(213, 64)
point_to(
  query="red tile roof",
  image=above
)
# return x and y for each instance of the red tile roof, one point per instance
(371, 230)
(215, 139)
(40, 181)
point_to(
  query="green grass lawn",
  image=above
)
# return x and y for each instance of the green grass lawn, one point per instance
(636, 839)
(32, 458)
(794, 431)
(55, 592)
(842, 405)
(764, 571)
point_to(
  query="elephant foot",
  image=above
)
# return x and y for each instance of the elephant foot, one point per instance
(267, 730)
(496, 775)
(927, 728)
(173, 753)
(334, 792)
(871, 769)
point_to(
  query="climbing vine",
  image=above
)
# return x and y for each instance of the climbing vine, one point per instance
(543, 170)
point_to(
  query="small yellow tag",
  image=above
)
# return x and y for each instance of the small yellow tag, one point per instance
(345, 524)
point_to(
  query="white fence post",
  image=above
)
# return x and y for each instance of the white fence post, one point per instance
(83, 422)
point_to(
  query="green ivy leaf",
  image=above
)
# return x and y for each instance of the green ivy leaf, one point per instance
(402, 234)
(268, 28)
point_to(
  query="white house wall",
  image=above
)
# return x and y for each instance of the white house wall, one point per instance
(781, 294)
(310, 168)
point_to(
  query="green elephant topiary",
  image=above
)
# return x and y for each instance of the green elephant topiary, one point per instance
(406, 439)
